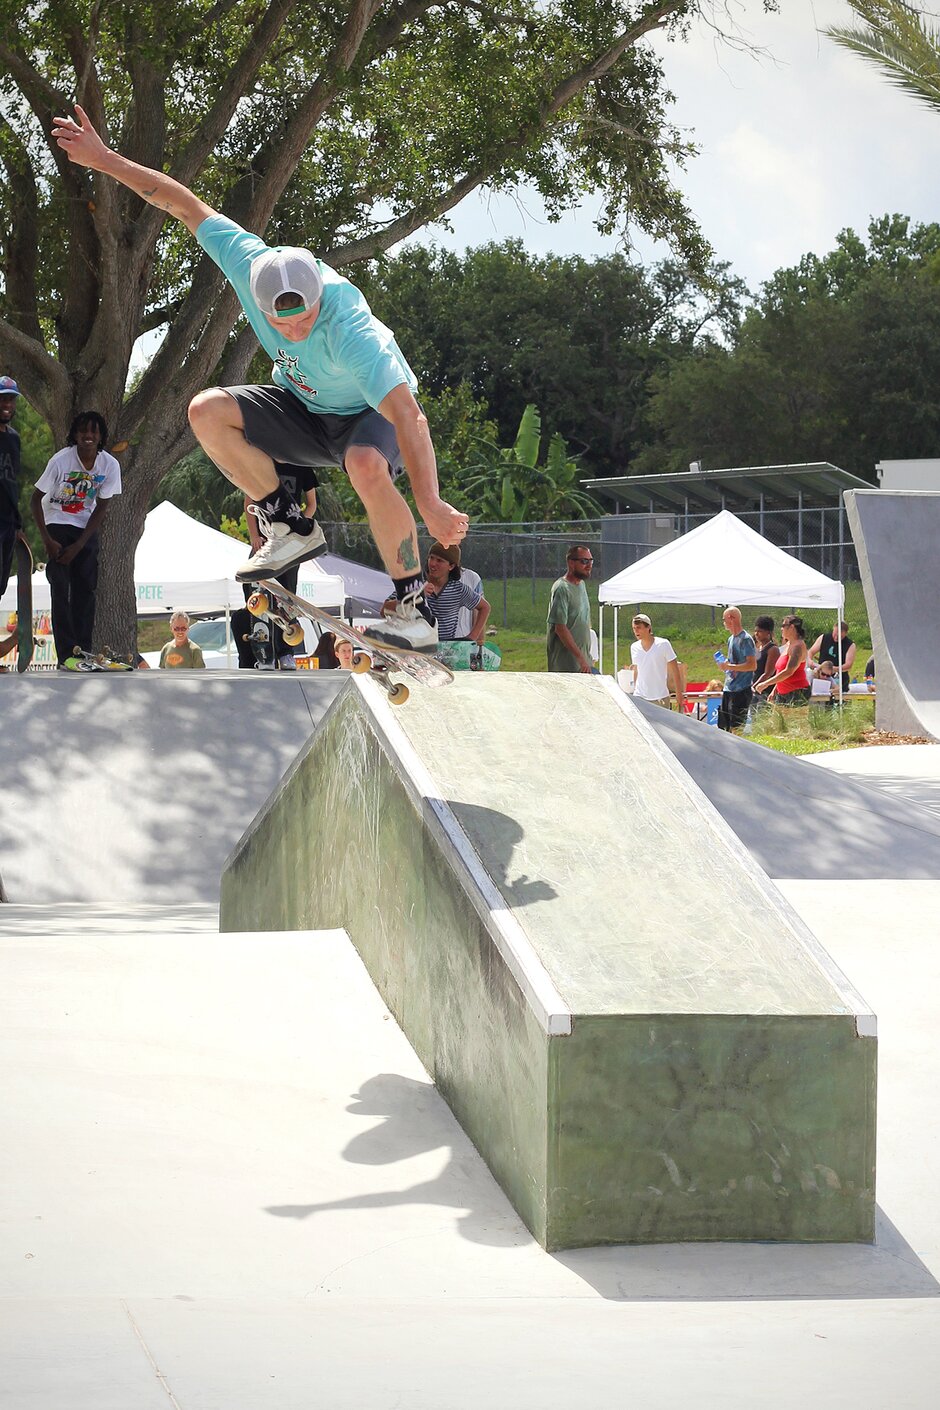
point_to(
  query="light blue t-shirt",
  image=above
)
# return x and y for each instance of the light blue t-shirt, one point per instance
(349, 362)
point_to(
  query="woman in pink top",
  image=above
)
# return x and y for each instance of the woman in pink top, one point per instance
(790, 683)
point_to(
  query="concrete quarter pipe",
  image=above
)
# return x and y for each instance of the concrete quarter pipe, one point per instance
(896, 536)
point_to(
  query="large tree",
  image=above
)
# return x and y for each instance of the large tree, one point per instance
(343, 126)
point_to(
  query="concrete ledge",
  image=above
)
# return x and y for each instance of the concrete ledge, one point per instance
(634, 1028)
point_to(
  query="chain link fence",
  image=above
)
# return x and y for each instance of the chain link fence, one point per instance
(510, 553)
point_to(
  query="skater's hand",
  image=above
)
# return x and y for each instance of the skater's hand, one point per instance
(53, 548)
(79, 140)
(67, 555)
(445, 522)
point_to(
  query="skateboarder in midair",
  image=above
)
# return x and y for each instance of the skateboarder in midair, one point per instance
(343, 395)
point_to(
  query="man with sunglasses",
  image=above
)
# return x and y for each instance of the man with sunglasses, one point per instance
(568, 642)
(342, 395)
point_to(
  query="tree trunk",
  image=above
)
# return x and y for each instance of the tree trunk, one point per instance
(116, 603)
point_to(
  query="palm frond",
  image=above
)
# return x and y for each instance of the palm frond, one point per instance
(900, 42)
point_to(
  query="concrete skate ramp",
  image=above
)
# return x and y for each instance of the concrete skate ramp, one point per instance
(800, 822)
(134, 786)
(564, 927)
(896, 538)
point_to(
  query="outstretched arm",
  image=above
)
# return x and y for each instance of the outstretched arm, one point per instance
(82, 145)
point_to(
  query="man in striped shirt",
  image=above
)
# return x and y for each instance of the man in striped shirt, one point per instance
(447, 592)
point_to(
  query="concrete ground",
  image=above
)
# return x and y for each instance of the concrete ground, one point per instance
(228, 1184)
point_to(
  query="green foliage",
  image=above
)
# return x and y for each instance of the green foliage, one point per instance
(579, 338)
(898, 40)
(36, 446)
(235, 528)
(509, 486)
(838, 360)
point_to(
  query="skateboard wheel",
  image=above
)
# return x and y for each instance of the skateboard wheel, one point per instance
(398, 694)
(257, 604)
(294, 634)
(360, 663)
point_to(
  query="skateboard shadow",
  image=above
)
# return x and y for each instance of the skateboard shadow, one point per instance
(417, 1122)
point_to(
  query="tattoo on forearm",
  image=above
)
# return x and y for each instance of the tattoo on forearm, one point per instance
(148, 194)
(407, 555)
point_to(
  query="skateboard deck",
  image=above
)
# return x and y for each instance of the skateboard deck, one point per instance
(468, 656)
(24, 605)
(96, 661)
(414, 664)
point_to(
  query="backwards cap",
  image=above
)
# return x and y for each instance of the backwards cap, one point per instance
(285, 270)
(8, 387)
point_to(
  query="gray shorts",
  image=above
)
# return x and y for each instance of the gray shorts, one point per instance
(278, 423)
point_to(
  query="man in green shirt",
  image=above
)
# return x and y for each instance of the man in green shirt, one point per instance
(181, 654)
(569, 615)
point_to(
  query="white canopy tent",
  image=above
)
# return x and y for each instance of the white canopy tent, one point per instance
(720, 564)
(181, 563)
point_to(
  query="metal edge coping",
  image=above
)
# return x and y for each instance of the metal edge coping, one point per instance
(508, 935)
(866, 1023)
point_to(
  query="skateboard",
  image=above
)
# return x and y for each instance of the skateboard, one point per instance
(468, 656)
(270, 611)
(260, 640)
(384, 658)
(24, 605)
(103, 660)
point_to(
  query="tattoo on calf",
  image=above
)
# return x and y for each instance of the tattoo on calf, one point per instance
(408, 555)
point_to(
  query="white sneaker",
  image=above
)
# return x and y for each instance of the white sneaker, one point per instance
(281, 549)
(405, 627)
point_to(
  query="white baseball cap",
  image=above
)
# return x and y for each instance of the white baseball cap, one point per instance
(285, 270)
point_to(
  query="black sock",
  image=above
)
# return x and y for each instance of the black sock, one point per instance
(405, 587)
(282, 508)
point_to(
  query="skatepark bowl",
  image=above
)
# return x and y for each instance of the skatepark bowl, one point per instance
(497, 1046)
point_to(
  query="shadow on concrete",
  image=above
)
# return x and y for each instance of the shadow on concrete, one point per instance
(134, 786)
(495, 837)
(418, 1121)
(741, 1272)
(802, 822)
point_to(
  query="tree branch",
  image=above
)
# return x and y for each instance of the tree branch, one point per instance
(45, 379)
(561, 95)
(23, 238)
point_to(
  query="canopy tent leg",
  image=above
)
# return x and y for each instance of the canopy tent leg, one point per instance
(600, 638)
(228, 636)
(616, 637)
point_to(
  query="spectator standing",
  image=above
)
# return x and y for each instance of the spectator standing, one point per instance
(10, 523)
(739, 672)
(568, 641)
(767, 648)
(656, 668)
(451, 593)
(69, 504)
(829, 646)
(790, 683)
(181, 654)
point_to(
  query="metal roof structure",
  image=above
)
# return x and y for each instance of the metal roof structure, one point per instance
(818, 485)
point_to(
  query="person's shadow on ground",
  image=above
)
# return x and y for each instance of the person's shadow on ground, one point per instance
(418, 1121)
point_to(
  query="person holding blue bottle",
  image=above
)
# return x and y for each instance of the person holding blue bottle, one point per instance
(740, 662)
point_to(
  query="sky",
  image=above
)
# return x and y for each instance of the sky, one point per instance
(795, 145)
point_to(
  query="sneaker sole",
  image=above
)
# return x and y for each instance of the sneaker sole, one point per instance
(254, 575)
(403, 644)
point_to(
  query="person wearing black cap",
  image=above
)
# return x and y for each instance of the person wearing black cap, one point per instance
(343, 395)
(10, 523)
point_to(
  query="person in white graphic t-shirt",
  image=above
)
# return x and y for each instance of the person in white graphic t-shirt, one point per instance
(656, 669)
